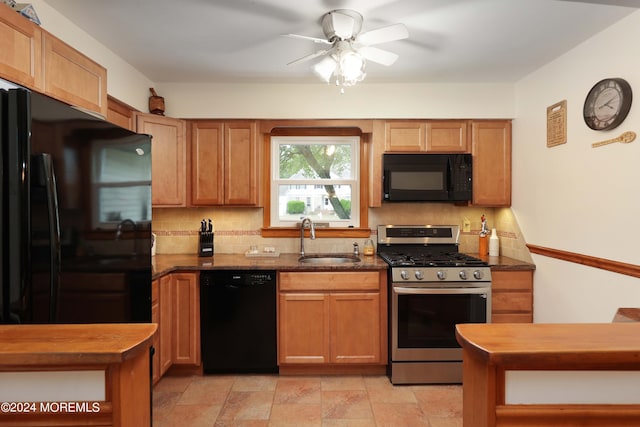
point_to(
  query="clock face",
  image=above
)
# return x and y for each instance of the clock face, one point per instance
(607, 104)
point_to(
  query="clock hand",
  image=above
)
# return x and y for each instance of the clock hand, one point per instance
(606, 104)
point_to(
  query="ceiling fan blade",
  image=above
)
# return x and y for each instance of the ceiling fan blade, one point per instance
(313, 39)
(309, 57)
(343, 24)
(384, 34)
(379, 56)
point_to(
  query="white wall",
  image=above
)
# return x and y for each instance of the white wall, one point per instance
(577, 198)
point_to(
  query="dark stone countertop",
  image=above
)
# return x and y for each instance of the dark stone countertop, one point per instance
(167, 263)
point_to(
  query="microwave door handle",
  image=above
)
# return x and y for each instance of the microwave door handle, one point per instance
(439, 291)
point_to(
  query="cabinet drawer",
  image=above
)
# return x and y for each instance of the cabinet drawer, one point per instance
(511, 302)
(332, 281)
(512, 280)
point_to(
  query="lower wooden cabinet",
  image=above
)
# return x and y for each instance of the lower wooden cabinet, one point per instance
(512, 296)
(332, 318)
(165, 322)
(185, 318)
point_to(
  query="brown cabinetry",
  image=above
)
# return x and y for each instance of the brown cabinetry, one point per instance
(332, 318)
(72, 77)
(155, 318)
(224, 163)
(447, 136)
(165, 331)
(120, 114)
(185, 319)
(491, 150)
(168, 158)
(405, 136)
(20, 49)
(512, 296)
(33, 58)
(435, 136)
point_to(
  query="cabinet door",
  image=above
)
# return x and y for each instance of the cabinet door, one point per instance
(303, 328)
(491, 150)
(448, 136)
(405, 136)
(166, 330)
(155, 318)
(72, 77)
(207, 150)
(20, 50)
(241, 164)
(168, 160)
(120, 114)
(186, 318)
(355, 327)
(512, 296)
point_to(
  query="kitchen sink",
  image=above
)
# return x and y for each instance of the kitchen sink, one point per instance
(328, 259)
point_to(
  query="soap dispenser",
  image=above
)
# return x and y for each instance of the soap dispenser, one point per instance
(494, 243)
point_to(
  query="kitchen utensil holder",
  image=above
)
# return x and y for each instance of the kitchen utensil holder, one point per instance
(205, 244)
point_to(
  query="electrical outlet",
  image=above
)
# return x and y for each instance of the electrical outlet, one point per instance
(466, 225)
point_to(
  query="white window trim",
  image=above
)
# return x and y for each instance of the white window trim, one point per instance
(354, 182)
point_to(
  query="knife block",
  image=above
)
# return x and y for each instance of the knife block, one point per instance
(205, 243)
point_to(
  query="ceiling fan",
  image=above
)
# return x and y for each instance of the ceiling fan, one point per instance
(349, 49)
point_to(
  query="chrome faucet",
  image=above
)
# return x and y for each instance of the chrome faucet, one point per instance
(135, 230)
(312, 231)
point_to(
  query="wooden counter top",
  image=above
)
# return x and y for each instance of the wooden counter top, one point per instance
(55, 345)
(614, 345)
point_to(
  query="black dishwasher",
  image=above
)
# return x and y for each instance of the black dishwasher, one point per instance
(238, 321)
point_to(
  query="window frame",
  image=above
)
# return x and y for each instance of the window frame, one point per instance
(363, 181)
(354, 181)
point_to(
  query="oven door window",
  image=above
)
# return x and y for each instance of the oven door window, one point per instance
(429, 320)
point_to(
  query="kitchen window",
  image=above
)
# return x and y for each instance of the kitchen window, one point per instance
(316, 177)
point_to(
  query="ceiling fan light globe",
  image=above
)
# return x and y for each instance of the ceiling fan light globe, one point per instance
(325, 68)
(352, 67)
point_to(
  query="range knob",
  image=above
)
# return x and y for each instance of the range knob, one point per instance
(419, 274)
(477, 274)
(404, 275)
(441, 274)
(463, 274)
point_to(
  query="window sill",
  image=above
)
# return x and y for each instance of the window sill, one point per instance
(320, 232)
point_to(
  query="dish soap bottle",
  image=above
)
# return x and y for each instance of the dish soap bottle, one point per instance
(494, 243)
(482, 238)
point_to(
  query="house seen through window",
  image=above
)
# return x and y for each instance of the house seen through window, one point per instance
(315, 177)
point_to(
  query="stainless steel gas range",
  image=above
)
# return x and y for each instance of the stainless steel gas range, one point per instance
(432, 287)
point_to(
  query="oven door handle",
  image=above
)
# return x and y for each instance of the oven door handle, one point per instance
(425, 291)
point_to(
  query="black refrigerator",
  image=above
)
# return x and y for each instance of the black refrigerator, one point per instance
(76, 215)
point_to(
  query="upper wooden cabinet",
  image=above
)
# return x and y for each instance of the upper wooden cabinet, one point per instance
(491, 150)
(31, 57)
(436, 136)
(72, 77)
(20, 49)
(447, 136)
(168, 159)
(224, 163)
(405, 135)
(120, 114)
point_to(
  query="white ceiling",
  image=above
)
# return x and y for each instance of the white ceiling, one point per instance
(241, 40)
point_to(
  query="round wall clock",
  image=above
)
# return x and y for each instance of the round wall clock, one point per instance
(607, 104)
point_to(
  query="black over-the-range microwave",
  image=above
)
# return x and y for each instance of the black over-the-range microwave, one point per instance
(427, 177)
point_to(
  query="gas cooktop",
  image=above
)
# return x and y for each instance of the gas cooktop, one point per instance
(422, 259)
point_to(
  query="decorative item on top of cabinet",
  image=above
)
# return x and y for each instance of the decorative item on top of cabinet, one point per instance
(21, 54)
(169, 163)
(156, 103)
(225, 161)
(72, 77)
(491, 150)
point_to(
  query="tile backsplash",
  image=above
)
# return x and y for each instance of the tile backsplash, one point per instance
(236, 229)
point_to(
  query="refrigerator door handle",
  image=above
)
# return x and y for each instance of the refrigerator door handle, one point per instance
(54, 233)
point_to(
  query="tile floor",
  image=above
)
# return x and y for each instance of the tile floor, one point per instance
(327, 401)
